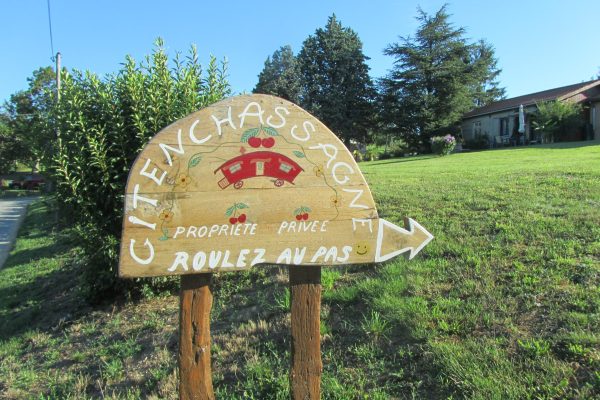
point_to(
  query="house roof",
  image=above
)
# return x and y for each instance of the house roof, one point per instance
(560, 93)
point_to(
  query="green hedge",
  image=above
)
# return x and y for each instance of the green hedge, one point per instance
(102, 125)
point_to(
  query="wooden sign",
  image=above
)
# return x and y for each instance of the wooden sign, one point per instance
(252, 180)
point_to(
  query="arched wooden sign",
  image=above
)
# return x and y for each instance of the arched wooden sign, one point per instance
(252, 180)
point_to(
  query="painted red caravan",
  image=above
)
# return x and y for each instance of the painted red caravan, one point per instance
(259, 163)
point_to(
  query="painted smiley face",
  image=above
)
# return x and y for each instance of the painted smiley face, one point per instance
(361, 248)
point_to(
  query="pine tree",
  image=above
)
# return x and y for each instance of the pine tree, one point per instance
(485, 74)
(280, 75)
(335, 82)
(437, 77)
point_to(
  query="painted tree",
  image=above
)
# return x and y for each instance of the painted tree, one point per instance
(280, 75)
(335, 81)
(437, 77)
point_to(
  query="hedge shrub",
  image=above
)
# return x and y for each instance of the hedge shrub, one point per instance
(102, 124)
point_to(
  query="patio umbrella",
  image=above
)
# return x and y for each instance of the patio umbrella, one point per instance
(521, 119)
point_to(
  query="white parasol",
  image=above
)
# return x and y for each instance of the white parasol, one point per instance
(521, 119)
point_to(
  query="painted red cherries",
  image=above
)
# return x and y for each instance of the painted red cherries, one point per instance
(256, 142)
(232, 213)
(301, 213)
(240, 218)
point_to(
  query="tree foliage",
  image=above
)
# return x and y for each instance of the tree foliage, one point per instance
(437, 77)
(26, 118)
(556, 119)
(11, 147)
(280, 75)
(335, 82)
(103, 123)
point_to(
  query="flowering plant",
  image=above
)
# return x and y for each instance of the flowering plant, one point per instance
(443, 145)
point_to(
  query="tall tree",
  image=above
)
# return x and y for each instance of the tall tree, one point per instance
(485, 72)
(280, 75)
(336, 86)
(27, 113)
(437, 77)
(11, 147)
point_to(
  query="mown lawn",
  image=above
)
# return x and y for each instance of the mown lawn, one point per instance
(503, 304)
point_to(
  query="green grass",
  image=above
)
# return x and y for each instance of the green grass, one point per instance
(503, 304)
(511, 282)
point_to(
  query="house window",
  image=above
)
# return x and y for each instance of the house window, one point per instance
(476, 128)
(503, 126)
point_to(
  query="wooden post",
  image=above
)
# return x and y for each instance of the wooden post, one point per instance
(195, 380)
(306, 368)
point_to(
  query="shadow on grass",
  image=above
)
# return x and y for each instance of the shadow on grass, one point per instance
(403, 160)
(39, 283)
(554, 146)
(25, 256)
(42, 303)
(568, 145)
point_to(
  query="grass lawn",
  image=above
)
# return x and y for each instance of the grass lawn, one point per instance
(503, 304)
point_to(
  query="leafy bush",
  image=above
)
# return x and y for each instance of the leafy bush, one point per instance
(396, 149)
(557, 120)
(358, 156)
(443, 145)
(103, 123)
(373, 152)
(479, 142)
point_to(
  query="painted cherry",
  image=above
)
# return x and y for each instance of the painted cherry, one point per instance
(233, 220)
(305, 216)
(254, 142)
(268, 142)
(241, 218)
(299, 217)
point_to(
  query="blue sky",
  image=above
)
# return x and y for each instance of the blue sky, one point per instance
(539, 45)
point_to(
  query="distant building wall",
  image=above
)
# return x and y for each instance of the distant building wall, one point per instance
(595, 118)
(502, 123)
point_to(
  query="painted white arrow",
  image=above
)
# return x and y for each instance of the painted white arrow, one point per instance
(395, 240)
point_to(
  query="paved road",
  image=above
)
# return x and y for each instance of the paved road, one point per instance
(12, 212)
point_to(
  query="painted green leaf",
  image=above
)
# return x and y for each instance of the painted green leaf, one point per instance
(307, 209)
(270, 131)
(195, 160)
(241, 205)
(165, 235)
(248, 134)
(298, 211)
(230, 211)
(299, 154)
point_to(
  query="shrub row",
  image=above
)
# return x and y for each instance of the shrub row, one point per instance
(102, 124)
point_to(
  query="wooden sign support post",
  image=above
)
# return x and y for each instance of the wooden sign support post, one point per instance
(195, 379)
(252, 180)
(306, 368)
